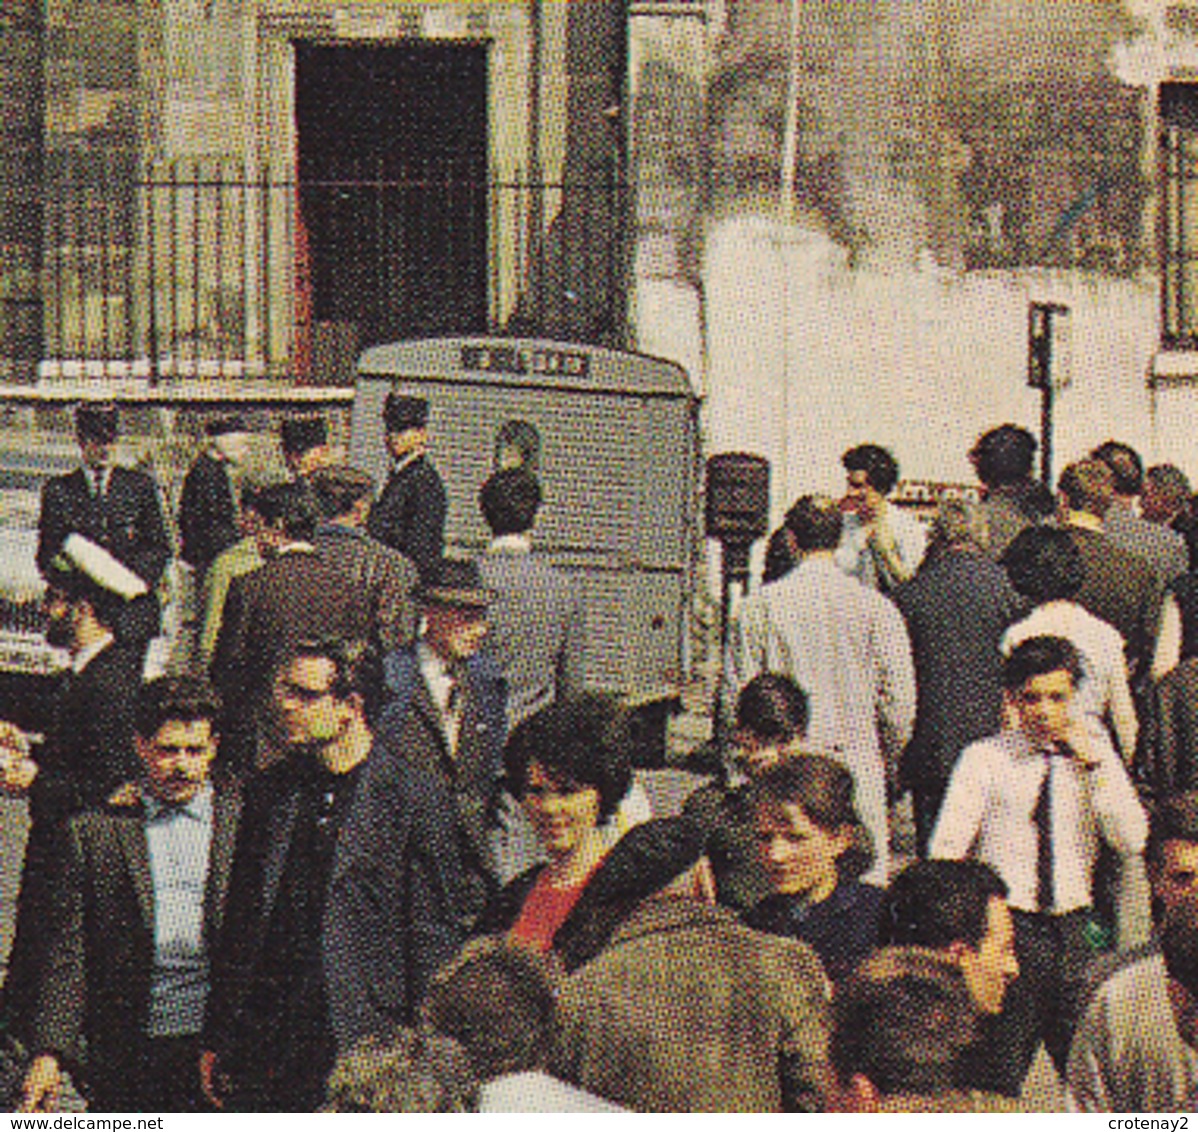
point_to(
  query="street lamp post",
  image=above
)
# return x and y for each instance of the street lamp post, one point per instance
(1047, 369)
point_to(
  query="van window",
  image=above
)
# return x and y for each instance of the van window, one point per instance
(518, 445)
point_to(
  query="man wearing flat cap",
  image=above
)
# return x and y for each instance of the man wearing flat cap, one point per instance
(115, 507)
(88, 751)
(208, 505)
(448, 716)
(410, 512)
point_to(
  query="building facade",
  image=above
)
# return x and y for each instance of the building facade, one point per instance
(265, 187)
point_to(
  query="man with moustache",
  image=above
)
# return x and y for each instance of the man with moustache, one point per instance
(1136, 1049)
(138, 895)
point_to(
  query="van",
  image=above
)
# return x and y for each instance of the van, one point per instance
(614, 440)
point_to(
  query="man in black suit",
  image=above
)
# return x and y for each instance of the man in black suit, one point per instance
(117, 508)
(342, 902)
(208, 505)
(89, 743)
(138, 896)
(410, 512)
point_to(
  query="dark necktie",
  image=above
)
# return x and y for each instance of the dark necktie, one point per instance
(99, 503)
(1042, 816)
(457, 690)
(455, 702)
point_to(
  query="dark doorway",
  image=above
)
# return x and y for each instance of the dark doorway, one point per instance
(393, 186)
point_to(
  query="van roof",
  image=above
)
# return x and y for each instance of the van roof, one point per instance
(527, 362)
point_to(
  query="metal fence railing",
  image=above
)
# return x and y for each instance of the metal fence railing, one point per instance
(1179, 236)
(210, 268)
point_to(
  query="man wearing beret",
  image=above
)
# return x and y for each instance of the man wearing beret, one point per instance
(410, 512)
(208, 505)
(117, 508)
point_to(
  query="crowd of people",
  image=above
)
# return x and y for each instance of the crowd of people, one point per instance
(376, 847)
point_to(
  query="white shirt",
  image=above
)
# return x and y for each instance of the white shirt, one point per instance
(510, 544)
(844, 644)
(536, 1091)
(97, 480)
(1103, 688)
(178, 840)
(398, 466)
(85, 656)
(856, 557)
(1168, 641)
(988, 814)
(436, 675)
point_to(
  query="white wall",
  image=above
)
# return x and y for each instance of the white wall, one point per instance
(807, 356)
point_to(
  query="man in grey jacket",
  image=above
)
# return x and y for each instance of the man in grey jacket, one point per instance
(537, 633)
(1137, 1047)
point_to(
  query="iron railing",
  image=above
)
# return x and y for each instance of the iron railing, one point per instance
(1179, 236)
(209, 268)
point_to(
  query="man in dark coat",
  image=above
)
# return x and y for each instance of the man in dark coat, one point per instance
(384, 578)
(1166, 500)
(342, 900)
(447, 716)
(1012, 500)
(208, 505)
(88, 750)
(138, 897)
(956, 608)
(1164, 549)
(1120, 587)
(117, 508)
(296, 595)
(410, 512)
(1167, 758)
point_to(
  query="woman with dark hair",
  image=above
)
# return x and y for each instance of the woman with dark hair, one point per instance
(568, 766)
(813, 848)
(771, 724)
